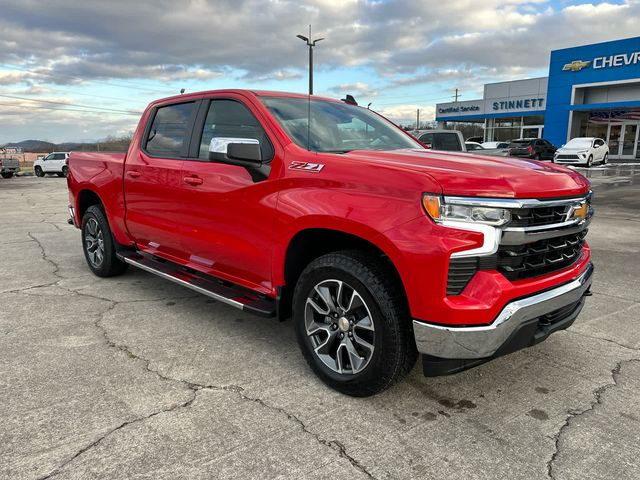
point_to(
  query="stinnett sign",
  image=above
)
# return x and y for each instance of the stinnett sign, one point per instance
(491, 106)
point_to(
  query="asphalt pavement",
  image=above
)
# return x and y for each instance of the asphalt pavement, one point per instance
(136, 377)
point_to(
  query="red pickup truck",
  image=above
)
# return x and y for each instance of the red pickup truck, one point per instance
(316, 209)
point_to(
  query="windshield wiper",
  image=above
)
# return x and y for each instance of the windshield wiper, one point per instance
(335, 151)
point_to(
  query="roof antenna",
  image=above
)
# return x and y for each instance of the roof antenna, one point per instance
(350, 100)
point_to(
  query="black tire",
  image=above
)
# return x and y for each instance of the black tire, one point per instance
(394, 353)
(590, 161)
(605, 159)
(65, 171)
(536, 156)
(109, 265)
(6, 174)
(38, 171)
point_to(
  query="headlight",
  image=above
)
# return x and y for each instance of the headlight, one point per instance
(439, 211)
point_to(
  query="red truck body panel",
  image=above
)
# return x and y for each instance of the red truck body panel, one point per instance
(239, 230)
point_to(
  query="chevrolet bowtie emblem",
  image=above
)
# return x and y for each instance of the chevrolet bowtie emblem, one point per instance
(578, 212)
(576, 65)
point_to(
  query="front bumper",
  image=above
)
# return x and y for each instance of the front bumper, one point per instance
(537, 316)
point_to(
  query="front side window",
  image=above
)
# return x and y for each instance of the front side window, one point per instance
(169, 130)
(324, 126)
(232, 119)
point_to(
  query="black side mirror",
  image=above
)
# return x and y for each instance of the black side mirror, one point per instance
(245, 152)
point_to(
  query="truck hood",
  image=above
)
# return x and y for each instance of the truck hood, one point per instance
(469, 174)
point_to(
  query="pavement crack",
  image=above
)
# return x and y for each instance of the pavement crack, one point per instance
(332, 444)
(97, 442)
(45, 257)
(604, 340)
(597, 400)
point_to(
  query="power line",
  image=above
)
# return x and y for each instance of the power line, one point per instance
(95, 107)
(40, 107)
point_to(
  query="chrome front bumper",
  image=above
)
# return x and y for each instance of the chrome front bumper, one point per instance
(450, 342)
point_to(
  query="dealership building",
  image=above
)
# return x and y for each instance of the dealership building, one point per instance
(591, 91)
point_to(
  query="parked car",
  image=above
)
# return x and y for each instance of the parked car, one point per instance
(534, 148)
(376, 247)
(55, 162)
(471, 146)
(444, 140)
(499, 145)
(9, 166)
(583, 151)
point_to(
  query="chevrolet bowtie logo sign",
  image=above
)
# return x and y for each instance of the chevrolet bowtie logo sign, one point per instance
(576, 65)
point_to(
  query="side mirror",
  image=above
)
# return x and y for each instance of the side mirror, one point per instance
(244, 152)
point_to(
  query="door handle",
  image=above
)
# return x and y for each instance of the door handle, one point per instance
(134, 173)
(192, 180)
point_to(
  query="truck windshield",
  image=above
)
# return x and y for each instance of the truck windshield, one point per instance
(336, 127)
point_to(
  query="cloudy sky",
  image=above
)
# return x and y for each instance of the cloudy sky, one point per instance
(72, 71)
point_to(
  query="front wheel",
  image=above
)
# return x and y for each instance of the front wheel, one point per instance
(605, 160)
(590, 161)
(98, 244)
(353, 324)
(6, 174)
(38, 171)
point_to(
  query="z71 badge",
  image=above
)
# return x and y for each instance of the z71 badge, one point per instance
(307, 167)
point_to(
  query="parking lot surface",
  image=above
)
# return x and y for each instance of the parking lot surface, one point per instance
(136, 377)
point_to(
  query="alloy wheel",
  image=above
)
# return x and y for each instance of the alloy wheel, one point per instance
(340, 327)
(94, 242)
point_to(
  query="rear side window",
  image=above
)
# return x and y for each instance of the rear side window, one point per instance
(169, 130)
(447, 142)
(232, 119)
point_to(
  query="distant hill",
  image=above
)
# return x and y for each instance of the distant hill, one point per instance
(32, 146)
(39, 146)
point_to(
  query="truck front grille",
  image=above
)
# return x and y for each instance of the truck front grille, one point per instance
(538, 216)
(517, 262)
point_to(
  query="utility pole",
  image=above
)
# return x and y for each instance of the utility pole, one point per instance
(458, 94)
(311, 44)
(418, 119)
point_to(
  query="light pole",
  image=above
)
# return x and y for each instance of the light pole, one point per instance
(311, 44)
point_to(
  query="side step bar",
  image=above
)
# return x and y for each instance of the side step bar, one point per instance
(224, 292)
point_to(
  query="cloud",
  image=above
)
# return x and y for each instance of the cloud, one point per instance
(149, 38)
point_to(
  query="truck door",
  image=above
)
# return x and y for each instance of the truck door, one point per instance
(227, 209)
(153, 179)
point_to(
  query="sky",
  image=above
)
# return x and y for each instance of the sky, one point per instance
(80, 71)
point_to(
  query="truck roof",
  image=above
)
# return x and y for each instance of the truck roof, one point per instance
(242, 91)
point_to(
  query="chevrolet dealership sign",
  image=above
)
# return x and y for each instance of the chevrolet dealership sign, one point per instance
(619, 60)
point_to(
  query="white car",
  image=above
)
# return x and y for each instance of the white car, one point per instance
(583, 151)
(495, 145)
(55, 162)
(471, 146)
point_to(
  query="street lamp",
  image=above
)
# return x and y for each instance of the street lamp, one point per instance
(311, 44)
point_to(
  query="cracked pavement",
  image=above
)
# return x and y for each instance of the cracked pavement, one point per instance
(134, 376)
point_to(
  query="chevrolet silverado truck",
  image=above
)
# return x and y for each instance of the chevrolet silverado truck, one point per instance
(318, 210)
(9, 166)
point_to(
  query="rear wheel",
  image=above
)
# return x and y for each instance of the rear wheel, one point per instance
(536, 156)
(605, 160)
(98, 244)
(65, 171)
(6, 174)
(353, 324)
(38, 171)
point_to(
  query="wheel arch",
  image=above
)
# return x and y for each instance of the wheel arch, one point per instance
(310, 243)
